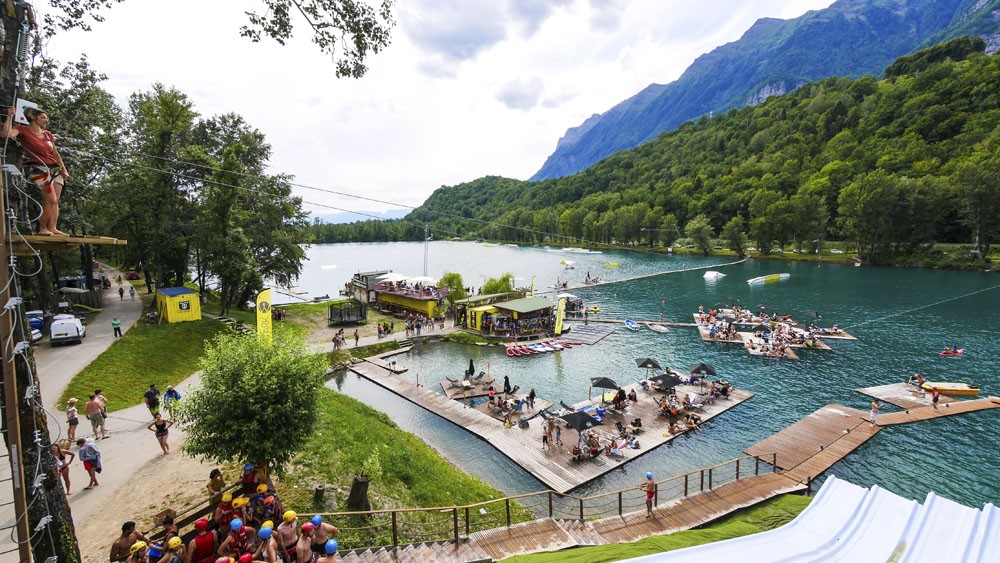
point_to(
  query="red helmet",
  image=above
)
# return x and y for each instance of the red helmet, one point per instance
(201, 525)
(245, 558)
(308, 527)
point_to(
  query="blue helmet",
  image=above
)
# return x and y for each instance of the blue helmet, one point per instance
(248, 467)
(316, 520)
(649, 475)
(331, 547)
(264, 533)
(236, 524)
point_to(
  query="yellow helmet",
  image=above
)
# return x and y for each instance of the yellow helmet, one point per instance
(227, 497)
(136, 547)
(174, 542)
(240, 502)
(262, 488)
(289, 515)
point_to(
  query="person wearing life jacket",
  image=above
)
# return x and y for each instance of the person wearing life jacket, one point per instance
(250, 479)
(202, 547)
(224, 512)
(238, 541)
(241, 509)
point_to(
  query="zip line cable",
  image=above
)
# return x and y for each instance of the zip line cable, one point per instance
(924, 306)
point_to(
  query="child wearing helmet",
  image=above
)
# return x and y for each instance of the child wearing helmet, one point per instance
(303, 549)
(137, 553)
(204, 545)
(323, 532)
(267, 547)
(224, 512)
(286, 534)
(175, 551)
(330, 551)
(239, 540)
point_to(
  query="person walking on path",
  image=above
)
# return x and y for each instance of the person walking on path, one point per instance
(93, 412)
(121, 293)
(874, 413)
(170, 399)
(62, 464)
(117, 326)
(357, 338)
(152, 399)
(91, 457)
(650, 487)
(72, 419)
(131, 293)
(160, 428)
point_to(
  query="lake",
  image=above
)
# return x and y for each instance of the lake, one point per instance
(901, 317)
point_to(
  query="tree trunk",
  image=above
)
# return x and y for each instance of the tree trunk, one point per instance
(358, 499)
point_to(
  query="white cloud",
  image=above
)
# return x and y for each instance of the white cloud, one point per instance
(467, 88)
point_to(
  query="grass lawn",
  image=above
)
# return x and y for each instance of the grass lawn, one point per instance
(347, 436)
(163, 354)
(766, 516)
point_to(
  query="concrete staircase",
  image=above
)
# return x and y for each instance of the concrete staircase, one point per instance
(431, 552)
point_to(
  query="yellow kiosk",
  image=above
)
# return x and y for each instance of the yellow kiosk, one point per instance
(178, 304)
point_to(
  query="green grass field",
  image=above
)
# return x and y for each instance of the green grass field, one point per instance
(766, 516)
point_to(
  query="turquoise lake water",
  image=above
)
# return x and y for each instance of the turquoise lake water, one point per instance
(902, 318)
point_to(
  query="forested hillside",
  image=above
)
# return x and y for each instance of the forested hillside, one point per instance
(890, 165)
(850, 38)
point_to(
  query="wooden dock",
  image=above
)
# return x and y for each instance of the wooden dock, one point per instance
(475, 388)
(902, 395)
(944, 409)
(523, 446)
(493, 412)
(587, 334)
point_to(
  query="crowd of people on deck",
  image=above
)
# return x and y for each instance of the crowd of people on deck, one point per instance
(241, 529)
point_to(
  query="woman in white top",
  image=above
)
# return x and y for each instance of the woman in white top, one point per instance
(71, 419)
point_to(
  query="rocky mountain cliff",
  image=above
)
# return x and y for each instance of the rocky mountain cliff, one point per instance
(850, 38)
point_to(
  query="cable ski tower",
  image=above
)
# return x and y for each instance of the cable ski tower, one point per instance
(427, 240)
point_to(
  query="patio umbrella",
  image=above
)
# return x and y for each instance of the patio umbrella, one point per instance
(566, 295)
(422, 279)
(392, 277)
(472, 369)
(603, 383)
(702, 368)
(813, 314)
(762, 328)
(648, 363)
(579, 421)
(665, 381)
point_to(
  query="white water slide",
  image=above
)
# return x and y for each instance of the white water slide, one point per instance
(845, 522)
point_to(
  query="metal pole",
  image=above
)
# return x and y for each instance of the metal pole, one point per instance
(737, 469)
(686, 475)
(619, 503)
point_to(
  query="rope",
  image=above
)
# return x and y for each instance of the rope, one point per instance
(925, 306)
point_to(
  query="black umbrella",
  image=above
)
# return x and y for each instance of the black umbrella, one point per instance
(579, 421)
(702, 368)
(762, 328)
(472, 369)
(813, 314)
(666, 381)
(603, 383)
(647, 363)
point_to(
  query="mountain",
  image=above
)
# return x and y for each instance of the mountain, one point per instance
(850, 38)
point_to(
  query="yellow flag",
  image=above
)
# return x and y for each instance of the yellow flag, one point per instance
(264, 315)
(560, 312)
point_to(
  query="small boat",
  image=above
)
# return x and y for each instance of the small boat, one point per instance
(631, 325)
(952, 352)
(612, 265)
(513, 350)
(713, 275)
(554, 345)
(657, 327)
(595, 309)
(770, 278)
(952, 388)
(526, 350)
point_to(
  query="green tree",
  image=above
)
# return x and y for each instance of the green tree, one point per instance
(978, 183)
(252, 397)
(503, 284)
(699, 230)
(453, 283)
(735, 237)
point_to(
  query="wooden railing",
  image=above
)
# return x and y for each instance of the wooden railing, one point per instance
(383, 528)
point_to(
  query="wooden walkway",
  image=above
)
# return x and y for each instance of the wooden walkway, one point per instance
(944, 409)
(524, 445)
(902, 395)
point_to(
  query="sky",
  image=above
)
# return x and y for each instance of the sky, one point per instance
(468, 88)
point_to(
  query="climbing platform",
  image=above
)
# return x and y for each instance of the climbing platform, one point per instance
(27, 245)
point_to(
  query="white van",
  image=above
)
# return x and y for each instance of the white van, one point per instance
(66, 328)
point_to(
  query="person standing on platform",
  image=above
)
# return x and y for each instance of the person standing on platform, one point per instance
(874, 413)
(935, 397)
(650, 487)
(45, 166)
(117, 326)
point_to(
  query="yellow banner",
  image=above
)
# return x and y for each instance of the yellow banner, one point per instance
(264, 315)
(560, 313)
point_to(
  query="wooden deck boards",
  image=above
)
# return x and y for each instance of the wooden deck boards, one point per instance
(809, 436)
(524, 445)
(944, 409)
(902, 395)
(544, 534)
(480, 388)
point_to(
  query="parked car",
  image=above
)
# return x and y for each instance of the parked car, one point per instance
(36, 318)
(66, 328)
(777, 251)
(132, 276)
(36, 335)
(836, 251)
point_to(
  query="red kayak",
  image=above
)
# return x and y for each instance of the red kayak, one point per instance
(512, 350)
(950, 353)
